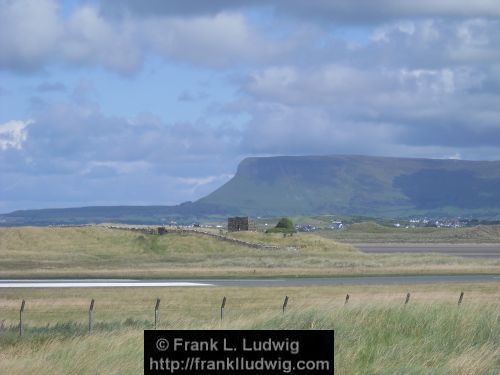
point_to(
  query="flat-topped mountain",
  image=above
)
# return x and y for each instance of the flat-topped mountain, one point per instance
(340, 184)
(365, 185)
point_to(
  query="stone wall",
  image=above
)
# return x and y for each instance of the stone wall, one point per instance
(220, 237)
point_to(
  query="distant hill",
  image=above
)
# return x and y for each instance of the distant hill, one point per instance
(307, 185)
(361, 185)
(185, 213)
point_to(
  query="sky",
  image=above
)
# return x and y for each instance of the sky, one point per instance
(156, 102)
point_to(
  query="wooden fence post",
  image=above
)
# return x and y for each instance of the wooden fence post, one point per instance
(285, 303)
(21, 313)
(222, 306)
(91, 312)
(460, 298)
(407, 299)
(346, 299)
(157, 312)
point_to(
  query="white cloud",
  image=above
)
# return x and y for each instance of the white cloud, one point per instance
(28, 31)
(328, 10)
(423, 80)
(75, 138)
(405, 95)
(199, 181)
(33, 34)
(205, 184)
(73, 153)
(91, 39)
(220, 40)
(127, 167)
(13, 134)
(382, 34)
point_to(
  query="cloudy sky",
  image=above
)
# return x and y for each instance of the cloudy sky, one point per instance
(156, 102)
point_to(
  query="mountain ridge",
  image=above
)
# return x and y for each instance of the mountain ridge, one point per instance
(333, 184)
(357, 184)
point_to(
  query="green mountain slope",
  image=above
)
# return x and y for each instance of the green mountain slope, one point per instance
(363, 185)
(304, 185)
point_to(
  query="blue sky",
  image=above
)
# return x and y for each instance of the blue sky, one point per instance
(156, 102)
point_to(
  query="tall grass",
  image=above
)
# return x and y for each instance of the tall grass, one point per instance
(103, 252)
(369, 339)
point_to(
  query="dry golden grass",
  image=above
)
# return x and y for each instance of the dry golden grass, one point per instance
(102, 252)
(375, 332)
(49, 306)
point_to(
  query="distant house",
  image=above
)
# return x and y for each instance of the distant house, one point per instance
(237, 224)
(336, 224)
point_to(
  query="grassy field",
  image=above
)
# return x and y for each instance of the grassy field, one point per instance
(375, 332)
(102, 252)
(372, 232)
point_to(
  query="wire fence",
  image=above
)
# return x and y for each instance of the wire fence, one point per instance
(141, 312)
